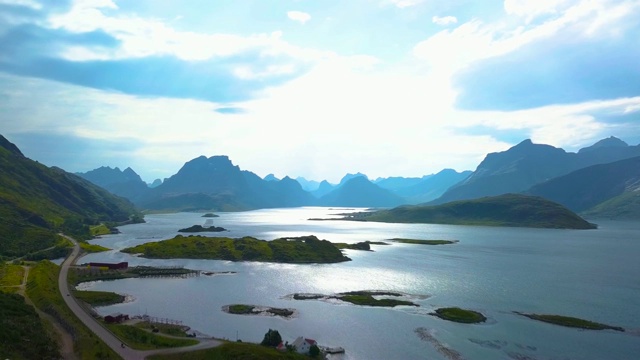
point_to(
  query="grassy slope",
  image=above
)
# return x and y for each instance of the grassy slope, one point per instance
(504, 210)
(42, 289)
(37, 201)
(233, 351)
(299, 250)
(140, 339)
(22, 334)
(622, 207)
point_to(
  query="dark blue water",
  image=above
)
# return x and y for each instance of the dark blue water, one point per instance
(591, 274)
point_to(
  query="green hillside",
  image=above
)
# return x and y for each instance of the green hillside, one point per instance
(36, 202)
(504, 210)
(622, 207)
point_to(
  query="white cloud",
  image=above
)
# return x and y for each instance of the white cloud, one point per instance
(444, 20)
(404, 3)
(530, 9)
(454, 49)
(299, 16)
(142, 37)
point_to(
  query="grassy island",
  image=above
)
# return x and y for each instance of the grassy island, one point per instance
(570, 322)
(200, 228)
(296, 250)
(210, 215)
(365, 246)
(363, 298)
(242, 309)
(459, 315)
(424, 242)
(513, 210)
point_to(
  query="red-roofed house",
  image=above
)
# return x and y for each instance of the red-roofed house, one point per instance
(303, 345)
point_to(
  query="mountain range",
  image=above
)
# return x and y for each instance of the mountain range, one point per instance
(581, 181)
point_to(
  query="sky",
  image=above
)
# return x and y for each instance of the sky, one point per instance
(313, 88)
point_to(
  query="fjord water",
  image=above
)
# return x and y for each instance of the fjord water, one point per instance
(590, 274)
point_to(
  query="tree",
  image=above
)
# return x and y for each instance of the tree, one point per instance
(272, 338)
(314, 351)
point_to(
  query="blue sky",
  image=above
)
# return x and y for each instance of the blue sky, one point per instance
(313, 88)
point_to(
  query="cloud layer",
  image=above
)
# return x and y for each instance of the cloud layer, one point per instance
(401, 88)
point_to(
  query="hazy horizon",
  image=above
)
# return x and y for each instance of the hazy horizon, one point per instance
(296, 88)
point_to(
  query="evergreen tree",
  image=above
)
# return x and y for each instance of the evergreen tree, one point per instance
(272, 338)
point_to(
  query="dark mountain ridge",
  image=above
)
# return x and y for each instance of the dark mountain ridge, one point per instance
(587, 187)
(527, 164)
(127, 183)
(358, 191)
(214, 183)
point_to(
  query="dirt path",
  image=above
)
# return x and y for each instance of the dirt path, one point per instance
(65, 340)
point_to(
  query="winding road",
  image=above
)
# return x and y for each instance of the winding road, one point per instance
(108, 337)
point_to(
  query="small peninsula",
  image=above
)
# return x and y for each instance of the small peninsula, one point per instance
(570, 322)
(512, 210)
(293, 250)
(200, 228)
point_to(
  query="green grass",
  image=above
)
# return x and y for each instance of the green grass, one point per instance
(167, 329)
(98, 230)
(234, 351)
(306, 249)
(459, 315)
(424, 242)
(42, 289)
(570, 322)
(91, 248)
(11, 275)
(22, 333)
(140, 339)
(99, 298)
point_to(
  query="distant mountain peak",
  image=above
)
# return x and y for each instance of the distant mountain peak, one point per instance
(10, 146)
(271, 177)
(351, 176)
(610, 142)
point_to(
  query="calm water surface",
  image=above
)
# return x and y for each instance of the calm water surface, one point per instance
(591, 274)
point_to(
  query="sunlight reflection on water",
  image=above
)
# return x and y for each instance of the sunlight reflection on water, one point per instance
(495, 270)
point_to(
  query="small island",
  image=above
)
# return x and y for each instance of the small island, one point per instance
(200, 228)
(363, 298)
(570, 322)
(210, 215)
(424, 242)
(459, 315)
(242, 309)
(293, 250)
(364, 245)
